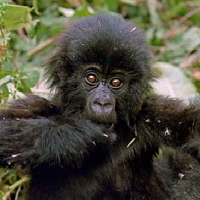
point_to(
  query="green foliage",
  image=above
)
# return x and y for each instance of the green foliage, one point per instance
(15, 17)
(13, 81)
(175, 8)
(109, 5)
(13, 78)
(182, 45)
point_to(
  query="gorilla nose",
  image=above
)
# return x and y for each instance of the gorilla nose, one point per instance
(103, 106)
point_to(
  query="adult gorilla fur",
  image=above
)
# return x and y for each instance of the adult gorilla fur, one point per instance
(99, 136)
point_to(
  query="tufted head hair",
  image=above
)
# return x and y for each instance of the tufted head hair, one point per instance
(111, 42)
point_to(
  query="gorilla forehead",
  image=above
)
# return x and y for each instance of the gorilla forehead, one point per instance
(106, 40)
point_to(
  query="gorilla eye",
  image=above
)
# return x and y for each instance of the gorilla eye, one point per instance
(91, 78)
(116, 82)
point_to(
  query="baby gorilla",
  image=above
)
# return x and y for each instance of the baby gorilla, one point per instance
(97, 139)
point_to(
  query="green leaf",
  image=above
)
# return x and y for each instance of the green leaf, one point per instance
(5, 79)
(33, 78)
(16, 17)
(23, 87)
(84, 10)
(4, 92)
(35, 5)
(112, 5)
(175, 11)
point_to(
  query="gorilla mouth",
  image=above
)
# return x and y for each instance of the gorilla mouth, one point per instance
(102, 110)
(103, 115)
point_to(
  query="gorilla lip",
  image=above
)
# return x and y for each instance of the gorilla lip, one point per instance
(102, 110)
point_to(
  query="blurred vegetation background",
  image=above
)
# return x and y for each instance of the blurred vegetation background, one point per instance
(28, 27)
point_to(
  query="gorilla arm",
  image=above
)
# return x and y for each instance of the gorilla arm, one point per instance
(35, 140)
(171, 121)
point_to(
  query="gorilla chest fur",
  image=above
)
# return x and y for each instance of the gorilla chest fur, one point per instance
(122, 180)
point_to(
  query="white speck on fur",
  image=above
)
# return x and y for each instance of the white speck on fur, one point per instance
(131, 142)
(133, 29)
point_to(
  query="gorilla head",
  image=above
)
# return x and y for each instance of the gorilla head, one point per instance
(100, 69)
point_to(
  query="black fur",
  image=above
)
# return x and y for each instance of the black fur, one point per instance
(71, 155)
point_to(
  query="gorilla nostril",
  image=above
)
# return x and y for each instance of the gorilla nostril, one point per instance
(103, 103)
(98, 103)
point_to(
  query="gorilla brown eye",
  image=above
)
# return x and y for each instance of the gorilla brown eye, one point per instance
(91, 78)
(116, 82)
